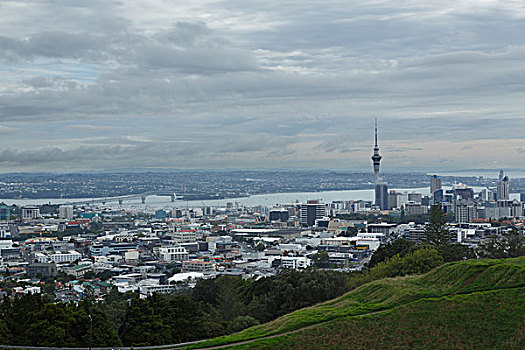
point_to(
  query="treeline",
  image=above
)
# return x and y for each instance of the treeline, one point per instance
(33, 320)
(214, 307)
(226, 304)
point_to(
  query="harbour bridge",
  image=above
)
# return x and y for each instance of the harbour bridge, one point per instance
(121, 199)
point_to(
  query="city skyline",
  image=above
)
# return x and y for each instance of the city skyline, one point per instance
(212, 84)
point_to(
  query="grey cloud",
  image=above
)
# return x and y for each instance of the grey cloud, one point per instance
(240, 84)
(55, 45)
(54, 154)
(55, 82)
(186, 34)
(200, 60)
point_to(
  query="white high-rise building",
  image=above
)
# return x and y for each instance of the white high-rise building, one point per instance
(65, 212)
(30, 212)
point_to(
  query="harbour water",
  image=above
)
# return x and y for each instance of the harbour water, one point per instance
(159, 202)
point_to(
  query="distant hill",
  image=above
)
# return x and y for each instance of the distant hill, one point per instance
(475, 304)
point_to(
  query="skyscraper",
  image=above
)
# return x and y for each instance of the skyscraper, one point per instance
(435, 184)
(503, 189)
(311, 211)
(381, 188)
(382, 200)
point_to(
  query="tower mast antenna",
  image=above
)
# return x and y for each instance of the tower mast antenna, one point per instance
(376, 131)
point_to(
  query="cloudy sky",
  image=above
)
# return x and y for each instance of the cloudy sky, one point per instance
(261, 84)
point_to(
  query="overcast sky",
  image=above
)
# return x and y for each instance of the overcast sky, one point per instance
(261, 84)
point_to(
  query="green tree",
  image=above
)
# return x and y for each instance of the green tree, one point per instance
(510, 245)
(229, 298)
(5, 334)
(321, 258)
(436, 231)
(416, 262)
(456, 252)
(399, 247)
(241, 322)
(49, 288)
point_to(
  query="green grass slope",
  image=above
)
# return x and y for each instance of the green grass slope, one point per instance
(450, 280)
(480, 320)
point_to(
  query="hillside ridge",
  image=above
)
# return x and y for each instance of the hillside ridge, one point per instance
(447, 281)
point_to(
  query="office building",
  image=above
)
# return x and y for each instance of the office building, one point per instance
(311, 211)
(393, 199)
(381, 196)
(466, 211)
(279, 214)
(462, 191)
(30, 212)
(65, 212)
(415, 197)
(5, 213)
(173, 253)
(438, 196)
(412, 208)
(503, 189)
(435, 184)
(41, 270)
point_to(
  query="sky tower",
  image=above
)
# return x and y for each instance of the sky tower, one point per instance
(376, 158)
(381, 188)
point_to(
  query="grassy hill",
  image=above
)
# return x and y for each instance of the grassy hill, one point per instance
(469, 304)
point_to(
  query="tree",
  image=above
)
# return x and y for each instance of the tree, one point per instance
(321, 259)
(5, 334)
(241, 322)
(456, 252)
(49, 288)
(399, 247)
(508, 246)
(229, 299)
(416, 262)
(436, 232)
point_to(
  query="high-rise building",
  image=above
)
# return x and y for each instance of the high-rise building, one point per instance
(503, 189)
(65, 212)
(501, 175)
(311, 211)
(382, 199)
(393, 199)
(415, 197)
(435, 184)
(465, 211)
(438, 196)
(462, 191)
(381, 188)
(5, 213)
